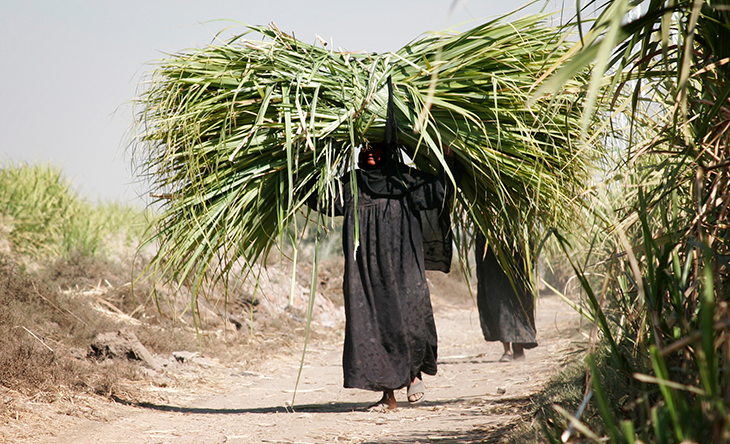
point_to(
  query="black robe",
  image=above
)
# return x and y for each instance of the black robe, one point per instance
(505, 315)
(390, 334)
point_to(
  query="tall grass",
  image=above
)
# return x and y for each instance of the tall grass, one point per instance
(659, 369)
(663, 242)
(44, 218)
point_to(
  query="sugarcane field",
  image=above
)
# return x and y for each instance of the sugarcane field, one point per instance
(513, 230)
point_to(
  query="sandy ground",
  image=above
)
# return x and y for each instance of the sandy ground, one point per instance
(473, 398)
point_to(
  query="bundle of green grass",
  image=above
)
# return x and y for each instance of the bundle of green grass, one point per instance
(228, 135)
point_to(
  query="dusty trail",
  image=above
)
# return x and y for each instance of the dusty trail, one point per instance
(473, 398)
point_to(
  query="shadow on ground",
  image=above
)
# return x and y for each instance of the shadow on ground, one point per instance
(333, 407)
(492, 435)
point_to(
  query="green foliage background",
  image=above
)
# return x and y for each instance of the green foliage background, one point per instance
(44, 217)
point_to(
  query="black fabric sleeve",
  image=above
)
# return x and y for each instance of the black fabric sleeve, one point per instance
(438, 190)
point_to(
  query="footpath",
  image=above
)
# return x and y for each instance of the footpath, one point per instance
(473, 398)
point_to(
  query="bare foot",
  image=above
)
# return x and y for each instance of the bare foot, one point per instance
(519, 351)
(387, 402)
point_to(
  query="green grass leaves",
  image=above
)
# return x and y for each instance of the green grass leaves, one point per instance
(45, 219)
(237, 134)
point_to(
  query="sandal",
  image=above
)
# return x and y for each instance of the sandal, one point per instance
(415, 389)
(506, 357)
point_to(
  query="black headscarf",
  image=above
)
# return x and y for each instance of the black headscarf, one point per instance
(389, 177)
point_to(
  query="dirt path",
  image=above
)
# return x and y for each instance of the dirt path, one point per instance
(473, 398)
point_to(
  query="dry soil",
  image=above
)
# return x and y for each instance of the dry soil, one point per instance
(473, 398)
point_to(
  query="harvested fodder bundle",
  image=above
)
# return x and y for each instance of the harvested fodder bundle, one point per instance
(230, 135)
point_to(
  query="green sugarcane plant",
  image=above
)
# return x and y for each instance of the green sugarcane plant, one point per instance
(230, 137)
(667, 280)
(45, 219)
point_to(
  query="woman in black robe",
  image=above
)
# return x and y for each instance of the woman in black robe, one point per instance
(390, 334)
(506, 312)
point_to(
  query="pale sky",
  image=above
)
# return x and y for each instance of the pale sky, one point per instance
(70, 67)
